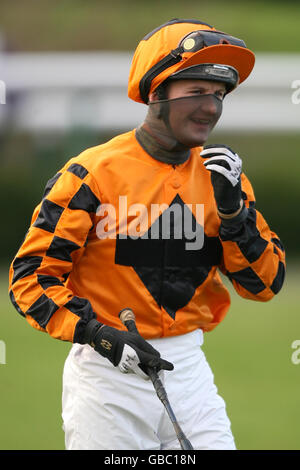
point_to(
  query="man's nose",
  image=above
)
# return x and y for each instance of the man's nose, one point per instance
(211, 105)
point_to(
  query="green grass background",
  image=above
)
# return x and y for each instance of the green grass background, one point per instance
(269, 25)
(250, 354)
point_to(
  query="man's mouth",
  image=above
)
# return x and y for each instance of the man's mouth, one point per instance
(201, 122)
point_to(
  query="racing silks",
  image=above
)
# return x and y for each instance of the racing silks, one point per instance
(117, 228)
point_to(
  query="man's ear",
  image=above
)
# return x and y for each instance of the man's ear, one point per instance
(153, 96)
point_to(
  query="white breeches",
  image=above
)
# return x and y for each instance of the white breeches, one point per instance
(104, 409)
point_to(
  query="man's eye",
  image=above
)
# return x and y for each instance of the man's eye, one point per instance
(196, 92)
(220, 94)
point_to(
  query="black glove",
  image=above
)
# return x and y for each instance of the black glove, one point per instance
(225, 167)
(129, 351)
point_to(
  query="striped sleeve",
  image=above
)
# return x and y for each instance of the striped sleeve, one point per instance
(253, 255)
(56, 240)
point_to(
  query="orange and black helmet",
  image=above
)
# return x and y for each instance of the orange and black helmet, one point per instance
(181, 44)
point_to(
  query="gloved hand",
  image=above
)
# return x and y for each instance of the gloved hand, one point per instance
(225, 167)
(129, 351)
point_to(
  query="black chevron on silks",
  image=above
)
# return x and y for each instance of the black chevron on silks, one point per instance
(169, 271)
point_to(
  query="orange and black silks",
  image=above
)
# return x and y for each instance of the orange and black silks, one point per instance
(66, 272)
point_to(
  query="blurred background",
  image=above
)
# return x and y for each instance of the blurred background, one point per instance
(63, 87)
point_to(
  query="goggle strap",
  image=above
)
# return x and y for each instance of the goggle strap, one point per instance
(171, 59)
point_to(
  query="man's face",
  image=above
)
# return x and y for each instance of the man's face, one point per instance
(192, 119)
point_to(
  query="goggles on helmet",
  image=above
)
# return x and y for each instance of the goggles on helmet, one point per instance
(196, 40)
(216, 72)
(193, 42)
